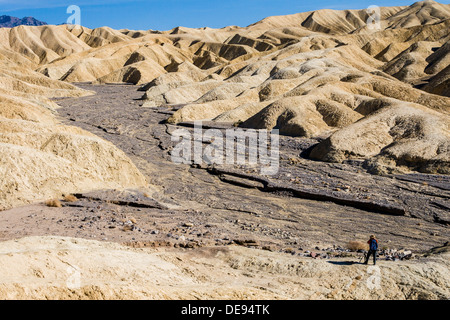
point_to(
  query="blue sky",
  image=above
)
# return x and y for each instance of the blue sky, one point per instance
(167, 14)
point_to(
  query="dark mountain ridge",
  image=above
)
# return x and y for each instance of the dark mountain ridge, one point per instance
(11, 22)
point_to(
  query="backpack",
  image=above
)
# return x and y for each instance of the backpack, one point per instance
(373, 245)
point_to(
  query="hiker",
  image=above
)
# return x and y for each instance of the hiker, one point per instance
(373, 247)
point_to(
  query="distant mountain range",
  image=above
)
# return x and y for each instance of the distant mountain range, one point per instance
(11, 22)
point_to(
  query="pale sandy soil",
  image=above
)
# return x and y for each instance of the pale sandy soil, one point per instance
(68, 268)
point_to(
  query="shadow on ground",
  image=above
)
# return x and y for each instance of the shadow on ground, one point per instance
(344, 263)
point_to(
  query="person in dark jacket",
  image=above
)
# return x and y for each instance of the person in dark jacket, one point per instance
(373, 247)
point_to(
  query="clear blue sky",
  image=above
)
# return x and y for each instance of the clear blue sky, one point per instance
(167, 14)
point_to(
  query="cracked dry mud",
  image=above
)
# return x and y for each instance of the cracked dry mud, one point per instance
(307, 204)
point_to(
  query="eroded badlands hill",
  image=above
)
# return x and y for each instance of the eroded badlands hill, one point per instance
(379, 94)
(41, 158)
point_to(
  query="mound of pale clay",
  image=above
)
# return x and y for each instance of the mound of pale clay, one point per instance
(396, 134)
(107, 55)
(68, 268)
(18, 108)
(41, 44)
(211, 110)
(136, 73)
(440, 83)
(41, 162)
(349, 21)
(20, 81)
(439, 60)
(298, 116)
(183, 94)
(41, 159)
(419, 13)
(411, 63)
